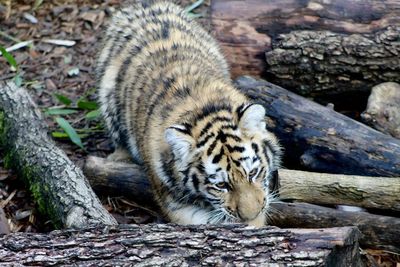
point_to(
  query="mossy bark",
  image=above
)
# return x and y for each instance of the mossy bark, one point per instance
(59, 188)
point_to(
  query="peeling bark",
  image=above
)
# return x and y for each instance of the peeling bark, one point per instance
(129, 180)
(173, 245)
(59, 188)
(313, 47)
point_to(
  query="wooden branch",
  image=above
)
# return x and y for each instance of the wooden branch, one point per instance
(312, 47)
(338, 189)
(173, 245)
(129, 180)
(59, 188)
(119, 178)
(318, 138)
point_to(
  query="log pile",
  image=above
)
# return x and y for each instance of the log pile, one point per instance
(318, 138)
(314, 47)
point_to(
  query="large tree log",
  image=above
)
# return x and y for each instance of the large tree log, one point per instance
(313, 47)
(320, 139)
(129, 180)
(59, 188)
(173, 245)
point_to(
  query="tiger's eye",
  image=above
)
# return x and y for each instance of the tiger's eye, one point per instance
(252, 173)
(221, 185)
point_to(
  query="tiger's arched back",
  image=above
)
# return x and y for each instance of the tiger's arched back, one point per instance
(167, 98)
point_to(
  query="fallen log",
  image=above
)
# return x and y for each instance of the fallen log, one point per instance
(378, 232)
(319, 139)
(122, 178)
(312, 47)
(337, 189)
(174, 245)
(129, 180)
(59, 188)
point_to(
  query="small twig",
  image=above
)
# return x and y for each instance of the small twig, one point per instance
(18, 46)
(10, 197)
(6, 35)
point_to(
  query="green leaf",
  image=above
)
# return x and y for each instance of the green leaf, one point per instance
(63, 99)
(60, 111)
(10, 59)
(65, 135)
(94, 114)
(72, 134)
(88, 105)
(59, 134)
(193, 6)
(37, 4)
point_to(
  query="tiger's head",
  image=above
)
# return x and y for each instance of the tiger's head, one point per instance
(228, 158)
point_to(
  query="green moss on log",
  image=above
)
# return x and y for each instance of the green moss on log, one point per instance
(15, 160)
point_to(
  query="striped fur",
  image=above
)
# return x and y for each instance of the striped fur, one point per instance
(167, 98)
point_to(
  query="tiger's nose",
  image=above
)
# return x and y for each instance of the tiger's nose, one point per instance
(248, 215)
(248, 212)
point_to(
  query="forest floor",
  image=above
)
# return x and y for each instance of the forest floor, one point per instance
(57, 74)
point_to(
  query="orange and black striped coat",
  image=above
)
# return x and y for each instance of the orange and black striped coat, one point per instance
(168, 101)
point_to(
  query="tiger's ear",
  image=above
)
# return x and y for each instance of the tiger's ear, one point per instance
(252, 118)
(178, 137)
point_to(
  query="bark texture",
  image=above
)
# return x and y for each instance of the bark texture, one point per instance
(318, 138)
(378, 232)
(59, 188)
(313, 47)
(130, 181)
(173, 245)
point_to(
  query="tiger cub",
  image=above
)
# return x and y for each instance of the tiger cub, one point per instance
(168, 101)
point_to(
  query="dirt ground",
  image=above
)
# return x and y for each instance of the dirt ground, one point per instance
(47, 69)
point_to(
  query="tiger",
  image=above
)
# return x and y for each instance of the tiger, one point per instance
(169, 104)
